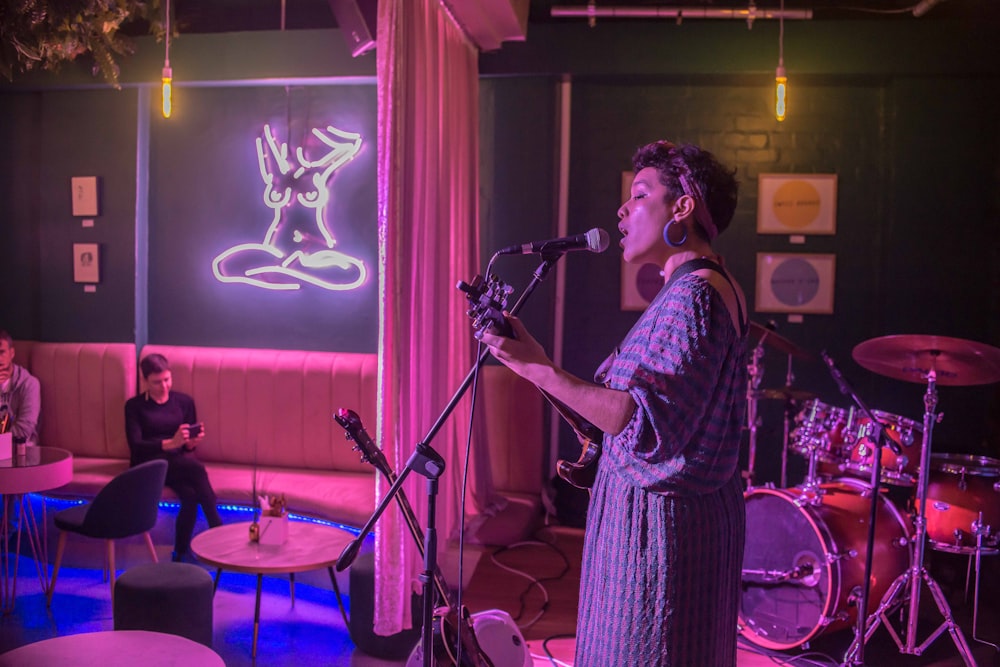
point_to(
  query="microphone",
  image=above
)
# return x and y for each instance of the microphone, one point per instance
(596, 240)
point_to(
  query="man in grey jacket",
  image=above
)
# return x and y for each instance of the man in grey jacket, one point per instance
(20, 396)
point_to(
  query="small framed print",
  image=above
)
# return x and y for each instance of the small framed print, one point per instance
(84, 195)
(795, 283)
(797, 204)
(86, 263)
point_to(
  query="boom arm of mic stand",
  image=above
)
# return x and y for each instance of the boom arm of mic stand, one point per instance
(431, 465)
(847, 390)
(865, 593)
(423, 450)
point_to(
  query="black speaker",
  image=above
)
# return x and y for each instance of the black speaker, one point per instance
(356, 20)
(394, 647)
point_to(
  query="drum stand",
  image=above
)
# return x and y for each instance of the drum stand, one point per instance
(980, 530)
(786, 432)
(755, 373)
(912, 578)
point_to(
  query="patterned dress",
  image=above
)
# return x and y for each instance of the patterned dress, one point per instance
(660, 583)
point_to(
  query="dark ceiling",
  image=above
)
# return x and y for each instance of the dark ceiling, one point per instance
(199, 16)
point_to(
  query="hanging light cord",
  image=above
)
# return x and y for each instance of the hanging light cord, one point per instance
(781, 35)
(166, 56)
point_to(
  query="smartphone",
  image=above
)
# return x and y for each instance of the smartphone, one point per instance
(194, 430)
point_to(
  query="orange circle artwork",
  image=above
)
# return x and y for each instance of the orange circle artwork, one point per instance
(796, 204)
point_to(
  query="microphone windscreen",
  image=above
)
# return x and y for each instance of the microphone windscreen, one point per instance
(598, 240)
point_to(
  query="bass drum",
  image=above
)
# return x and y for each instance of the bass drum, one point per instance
(802, 560)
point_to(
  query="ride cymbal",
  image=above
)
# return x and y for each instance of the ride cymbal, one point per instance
(911, 357)
(780, 343)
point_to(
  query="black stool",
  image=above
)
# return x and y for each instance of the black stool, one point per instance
(175, 598)
(362, 603)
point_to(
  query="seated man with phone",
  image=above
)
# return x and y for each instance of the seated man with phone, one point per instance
(163, 424)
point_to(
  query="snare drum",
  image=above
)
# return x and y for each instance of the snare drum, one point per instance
(818, 427)
(959, 488)
(900, 469)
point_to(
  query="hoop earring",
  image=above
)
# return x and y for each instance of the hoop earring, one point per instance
(666, 234)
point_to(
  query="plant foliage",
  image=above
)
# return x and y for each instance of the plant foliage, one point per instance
(44, 34)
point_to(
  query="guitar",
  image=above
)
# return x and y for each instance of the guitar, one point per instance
(487, 301)
(451, 625)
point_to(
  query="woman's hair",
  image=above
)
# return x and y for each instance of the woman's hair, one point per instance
(7, 337)
(153, 363)
(677, 163)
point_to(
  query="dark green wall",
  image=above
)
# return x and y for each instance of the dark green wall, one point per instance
(904, 113)
(175, 193)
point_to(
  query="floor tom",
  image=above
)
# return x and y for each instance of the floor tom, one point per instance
(959, 489)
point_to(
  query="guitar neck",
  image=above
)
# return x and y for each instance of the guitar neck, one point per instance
(584, 429)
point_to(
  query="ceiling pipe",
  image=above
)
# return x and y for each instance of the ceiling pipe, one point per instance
(748, 14)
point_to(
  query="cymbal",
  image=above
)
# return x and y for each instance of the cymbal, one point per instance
(780, 343)
(910, 357)
(785, 393)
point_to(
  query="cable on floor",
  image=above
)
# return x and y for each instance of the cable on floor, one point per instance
(779, 658)
(548, 654)
(533, 581)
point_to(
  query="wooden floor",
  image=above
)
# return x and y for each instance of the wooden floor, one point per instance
(535, 581)
(547, 610)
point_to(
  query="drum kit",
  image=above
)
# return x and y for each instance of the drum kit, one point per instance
(852, 535)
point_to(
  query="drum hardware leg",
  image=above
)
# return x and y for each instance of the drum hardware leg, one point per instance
(789, 381)
(755, 373)
(918, 574)
(784, 442)
(979, 530)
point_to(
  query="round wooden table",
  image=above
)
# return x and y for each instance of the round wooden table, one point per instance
(114, 647)
(39, 469)
(310, 546)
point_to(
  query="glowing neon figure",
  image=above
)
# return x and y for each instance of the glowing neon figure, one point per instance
(298, 192)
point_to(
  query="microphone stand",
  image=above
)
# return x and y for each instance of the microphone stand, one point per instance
(879, 436)
(427, 462)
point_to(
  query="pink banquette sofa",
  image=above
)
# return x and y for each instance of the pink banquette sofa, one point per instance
(269, 425)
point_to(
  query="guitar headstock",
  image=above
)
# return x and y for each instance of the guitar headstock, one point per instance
(487, 301)
(363, 443)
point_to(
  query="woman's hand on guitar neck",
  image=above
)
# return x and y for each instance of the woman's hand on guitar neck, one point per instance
(520, 353)
(607, 409)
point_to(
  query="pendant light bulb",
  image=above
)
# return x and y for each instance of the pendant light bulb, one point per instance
(167, 76)
(166, 91)
(780, 89)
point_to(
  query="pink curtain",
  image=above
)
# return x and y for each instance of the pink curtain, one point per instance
(428, 240)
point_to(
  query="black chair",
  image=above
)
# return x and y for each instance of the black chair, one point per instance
(126, 506)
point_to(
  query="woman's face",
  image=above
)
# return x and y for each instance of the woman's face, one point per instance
(159, 385)
(642, 219)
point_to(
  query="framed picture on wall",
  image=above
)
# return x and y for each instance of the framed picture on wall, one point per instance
(795, 283)
(84, 195)
(797, 204)
(639, 283)
(86, 263)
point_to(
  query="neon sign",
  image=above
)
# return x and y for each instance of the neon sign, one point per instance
(298, 248)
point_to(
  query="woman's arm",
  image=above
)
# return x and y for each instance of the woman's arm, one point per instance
(607, 409)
